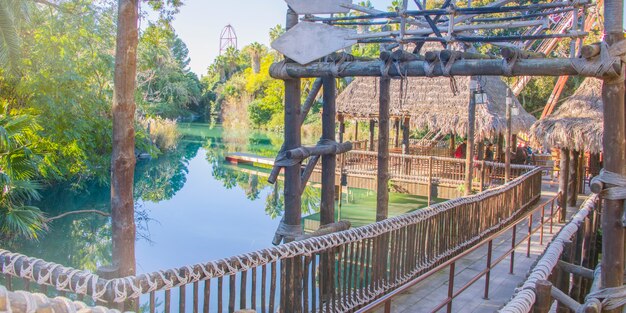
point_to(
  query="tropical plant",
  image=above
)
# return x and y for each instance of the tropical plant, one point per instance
(18, 168)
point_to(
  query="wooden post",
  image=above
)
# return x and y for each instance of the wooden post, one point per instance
(356, 130)
(480, 150)
(342, 125)
(544, 297)
(563, 183)
(293, 211)
(614, 147)
(406, 132)
(123, 154)
(396, 126)
(382, 197)
(507, 151)
(452, 145)
(563, 277)
(469, 154)
(498, 156)
(430, 179)
(371, 143)
(573, 178)
(327, 206)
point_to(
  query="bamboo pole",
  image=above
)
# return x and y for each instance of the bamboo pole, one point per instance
(329, 161)
(382, 197)
(469, 154)
(292, 135)
(614, 144)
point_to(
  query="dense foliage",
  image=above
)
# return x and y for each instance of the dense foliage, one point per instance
(56, 89)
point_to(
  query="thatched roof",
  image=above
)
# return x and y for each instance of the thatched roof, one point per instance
(577, 124)
(431, 104)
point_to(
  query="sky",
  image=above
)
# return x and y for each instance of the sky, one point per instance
(200, 23)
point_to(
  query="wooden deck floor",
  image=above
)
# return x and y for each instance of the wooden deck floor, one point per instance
(427, 295)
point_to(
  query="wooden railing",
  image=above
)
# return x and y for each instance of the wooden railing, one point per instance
(343, 271)
(442, 171)
(567, 265)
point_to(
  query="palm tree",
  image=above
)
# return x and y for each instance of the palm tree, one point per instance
(18, 168)
(256, 50)
(12, 14)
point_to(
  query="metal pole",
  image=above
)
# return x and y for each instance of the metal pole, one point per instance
(329, 161)
(507, 152)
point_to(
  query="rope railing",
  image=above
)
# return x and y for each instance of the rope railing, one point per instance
(412, 243)
(525, 296)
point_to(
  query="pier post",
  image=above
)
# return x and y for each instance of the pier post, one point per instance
(573, 178)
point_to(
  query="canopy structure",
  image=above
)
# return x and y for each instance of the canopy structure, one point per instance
(431, 103)
(577, 124)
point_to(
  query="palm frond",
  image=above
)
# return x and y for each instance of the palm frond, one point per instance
(9, 40)
(24, 221)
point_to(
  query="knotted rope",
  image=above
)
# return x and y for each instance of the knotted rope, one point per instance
(603, 63)
(612, 298)
(615, 185)
(507, 64)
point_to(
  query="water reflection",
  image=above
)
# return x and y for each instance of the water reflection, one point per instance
(192, 206)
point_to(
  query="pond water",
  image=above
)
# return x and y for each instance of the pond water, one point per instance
(192, 206)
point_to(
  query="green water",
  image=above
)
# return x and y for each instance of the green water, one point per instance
(192, 206)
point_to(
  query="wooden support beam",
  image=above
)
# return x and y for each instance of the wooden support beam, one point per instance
(396, 137)
(356, 130)
(543, 290)
(406, 132)
(510, 52)
(509, 139)
(371, 141)
(342, 127)
(567, 304)
(494, 67)
(575, 269)
(469, 154)
(382, 195)
(573, 178)
(563, 280)
(614, 148)
(292, 135)
(563, 183)
(308, 170)
(446, 55)
(329, 160)
(327, 229)
(302, 153)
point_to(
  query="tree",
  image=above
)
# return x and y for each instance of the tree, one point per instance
(256, 51)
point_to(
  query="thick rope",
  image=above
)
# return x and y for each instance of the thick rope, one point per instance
(615, 185)
(37, 301)
(524, 297)
(603, 63)
(612, 298)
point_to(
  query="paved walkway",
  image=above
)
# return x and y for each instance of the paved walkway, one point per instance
(427, 295)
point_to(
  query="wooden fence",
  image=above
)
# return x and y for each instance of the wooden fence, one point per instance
(338, 272)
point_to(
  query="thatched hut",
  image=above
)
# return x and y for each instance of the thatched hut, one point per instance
(430, 103)
(577, 124)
